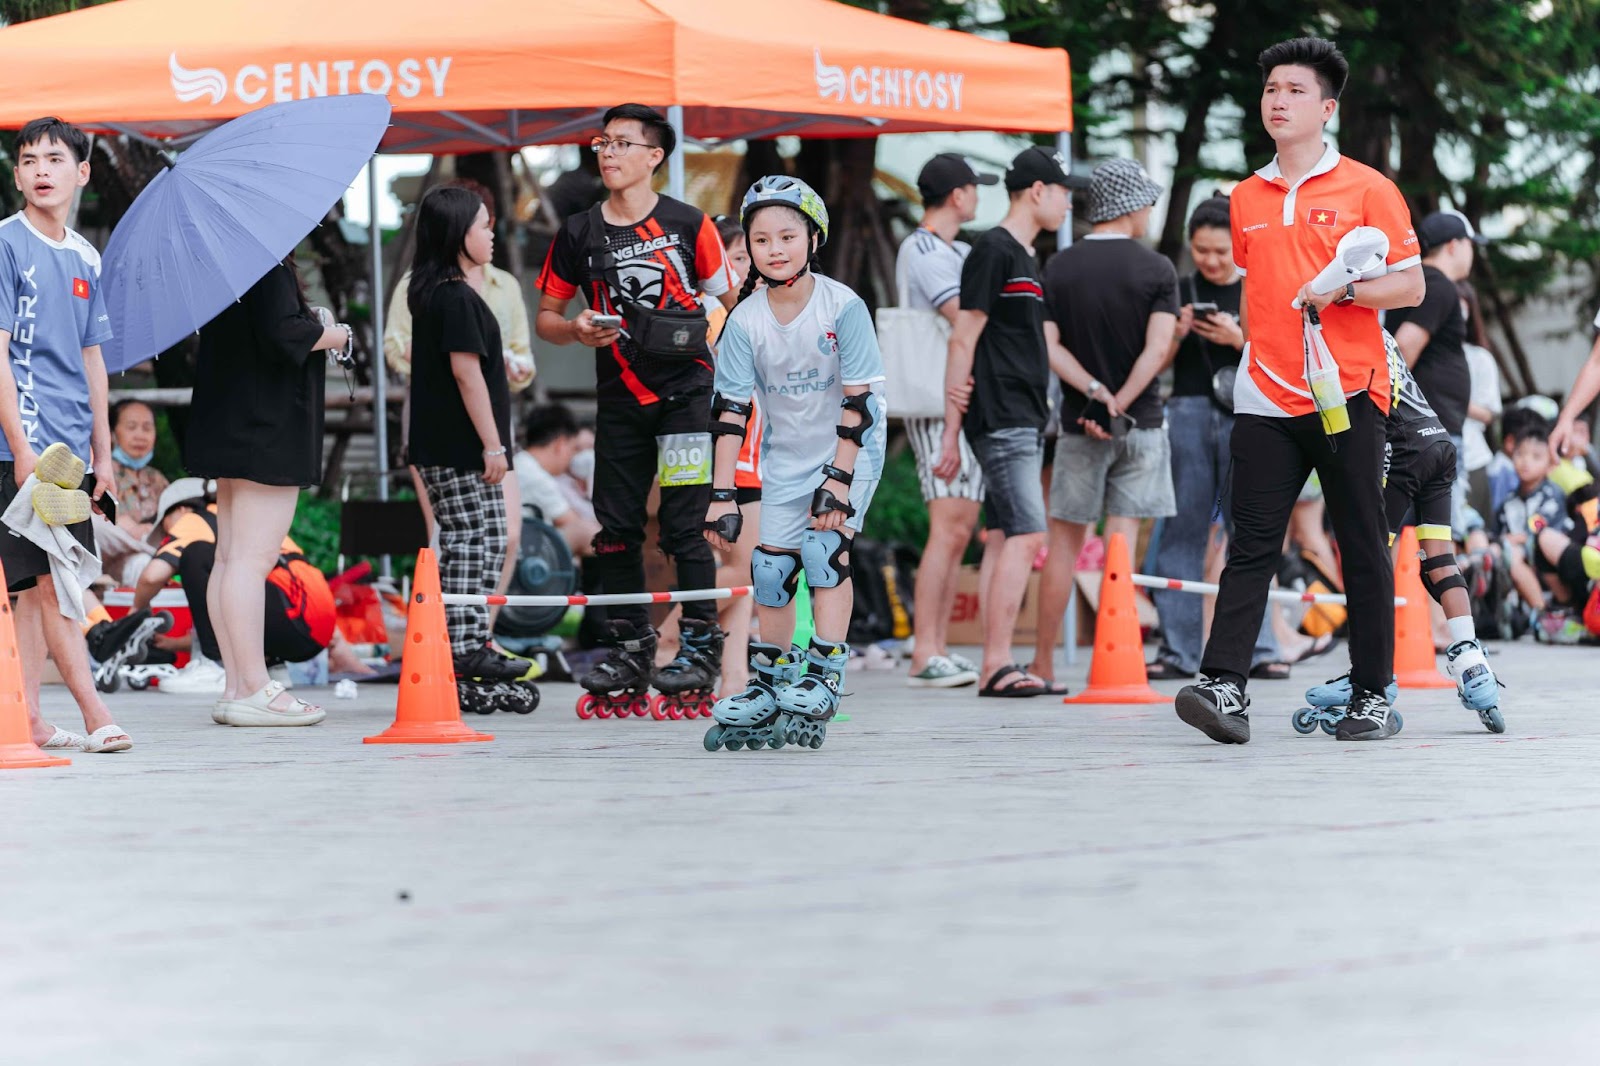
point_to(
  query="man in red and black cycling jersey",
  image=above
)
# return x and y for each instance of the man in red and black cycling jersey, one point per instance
(654, 405)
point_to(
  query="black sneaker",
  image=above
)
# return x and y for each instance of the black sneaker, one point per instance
(1369, 717)
(1218, 709)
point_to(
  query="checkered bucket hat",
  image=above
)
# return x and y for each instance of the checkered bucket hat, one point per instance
(1120, 187)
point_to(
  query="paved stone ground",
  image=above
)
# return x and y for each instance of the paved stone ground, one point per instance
(948, 880)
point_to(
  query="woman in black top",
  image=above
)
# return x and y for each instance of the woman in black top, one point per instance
(1200, 424)
(256, 426)
(460, 414)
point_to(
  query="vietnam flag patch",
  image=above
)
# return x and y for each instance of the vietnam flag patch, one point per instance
(80, 288)
(1322, 216)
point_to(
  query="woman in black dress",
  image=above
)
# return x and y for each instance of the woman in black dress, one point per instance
(460, 414)
(256, 426)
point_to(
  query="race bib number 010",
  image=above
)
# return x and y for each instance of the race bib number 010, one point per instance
(685, 459)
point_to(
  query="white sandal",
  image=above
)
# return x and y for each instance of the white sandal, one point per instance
(257, 710)
(65, 740)
(107, 738)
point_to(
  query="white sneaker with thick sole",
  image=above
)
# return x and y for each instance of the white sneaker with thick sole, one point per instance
(201, 677)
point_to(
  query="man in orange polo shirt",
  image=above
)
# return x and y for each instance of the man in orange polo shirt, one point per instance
(1287, 221)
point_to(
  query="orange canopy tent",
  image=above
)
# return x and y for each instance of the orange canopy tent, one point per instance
(477, 73)
(471, 74)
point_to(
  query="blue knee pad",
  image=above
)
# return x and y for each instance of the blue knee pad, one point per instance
(823, 552)
(775, 575)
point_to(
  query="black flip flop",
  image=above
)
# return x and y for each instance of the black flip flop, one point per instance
(1013, 691)
(1318, 648)
(1275, 670)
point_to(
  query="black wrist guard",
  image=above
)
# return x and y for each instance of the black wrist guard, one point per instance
(727, 526)
(823, 501)
(843, 477)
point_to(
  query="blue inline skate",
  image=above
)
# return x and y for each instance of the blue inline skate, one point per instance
(1329, 702)
(1476, 685)
(813, 699)
(754, 717)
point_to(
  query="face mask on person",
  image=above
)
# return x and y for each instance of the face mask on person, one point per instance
(582, 466)
(130, 461)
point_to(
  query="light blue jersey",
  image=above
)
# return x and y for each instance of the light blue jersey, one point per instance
(51, 290)
(797, 372)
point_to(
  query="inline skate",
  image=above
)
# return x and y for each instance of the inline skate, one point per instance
(755, 717)
(687, 684)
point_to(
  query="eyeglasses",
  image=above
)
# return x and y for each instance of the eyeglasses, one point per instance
(619, 147)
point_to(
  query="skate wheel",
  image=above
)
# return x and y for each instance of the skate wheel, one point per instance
(1329, 727)
(713, 739)
(586, 704)
(640, 706)
(659, 709)
(534, 696)
(1399, 723)
(1492, 721)
(816, 742)
(734, 745)
(139, 684)
(705, 708)
(1304, 721)
(678, 712)
(108, 685)
(602, 709)
(776, 741)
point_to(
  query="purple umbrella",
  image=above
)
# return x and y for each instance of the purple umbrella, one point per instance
(236, 203)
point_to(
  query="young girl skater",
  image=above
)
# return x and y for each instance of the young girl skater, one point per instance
(804, 344)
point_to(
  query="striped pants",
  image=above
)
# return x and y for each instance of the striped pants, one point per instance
(472, 546)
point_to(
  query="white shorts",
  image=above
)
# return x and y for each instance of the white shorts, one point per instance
(784, 524)
(925, 435)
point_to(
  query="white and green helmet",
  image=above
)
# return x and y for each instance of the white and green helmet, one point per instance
(791, 192)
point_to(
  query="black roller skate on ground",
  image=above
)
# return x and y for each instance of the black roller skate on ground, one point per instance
(687, 684)
(123, 642)
(487, 681)
(754, 717)
(619, 685)
(810, 702)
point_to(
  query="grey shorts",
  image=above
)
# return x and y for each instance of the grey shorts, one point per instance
(1013, 497)
(1130, 477)
(925, 435)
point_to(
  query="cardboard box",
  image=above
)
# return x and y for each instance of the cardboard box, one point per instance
(965, 627)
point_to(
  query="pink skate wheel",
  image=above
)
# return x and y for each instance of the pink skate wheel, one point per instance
(586, 704)
(658, 708)
(602, 709)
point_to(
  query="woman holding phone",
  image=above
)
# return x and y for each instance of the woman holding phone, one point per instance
(460, 426)
(1207, 347)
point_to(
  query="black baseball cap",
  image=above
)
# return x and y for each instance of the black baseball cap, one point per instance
(1036, 164)
(1442, 227)
(947, 172)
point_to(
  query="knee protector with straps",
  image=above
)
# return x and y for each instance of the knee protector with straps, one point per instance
(1438, 586)
(823, 552)
(775, 575)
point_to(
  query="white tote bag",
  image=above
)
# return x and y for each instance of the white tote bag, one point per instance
(914, 344)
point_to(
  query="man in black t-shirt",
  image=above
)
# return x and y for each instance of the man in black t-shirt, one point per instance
(997, 379)
(1432, 337)
(1113, 306)
(659, 254)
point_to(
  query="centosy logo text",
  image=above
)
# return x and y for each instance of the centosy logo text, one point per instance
(890, 87)
(253, 83)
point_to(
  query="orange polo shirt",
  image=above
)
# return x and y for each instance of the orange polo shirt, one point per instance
(1283, 236)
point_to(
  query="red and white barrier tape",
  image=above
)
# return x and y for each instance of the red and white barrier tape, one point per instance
(1206, 588)
(619, 599)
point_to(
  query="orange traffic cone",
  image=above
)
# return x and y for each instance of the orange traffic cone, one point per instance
(1116, 673)
(17, 749)
(1415, 663)
(428, 712)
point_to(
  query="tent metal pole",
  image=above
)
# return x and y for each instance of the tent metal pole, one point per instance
(380, 375)
(675, 174)
(1069, 622)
